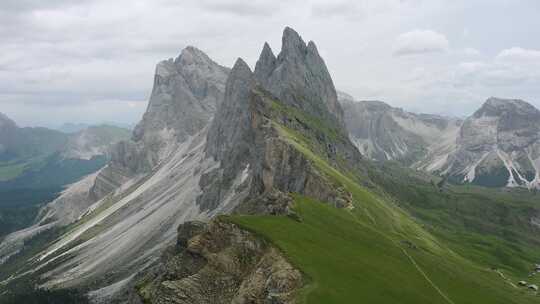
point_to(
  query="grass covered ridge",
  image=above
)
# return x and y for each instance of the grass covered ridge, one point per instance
(374, 252)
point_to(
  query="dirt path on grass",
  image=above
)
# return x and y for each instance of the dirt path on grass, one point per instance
(411, 259)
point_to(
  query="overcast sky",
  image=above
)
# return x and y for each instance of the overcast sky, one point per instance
(93, 61)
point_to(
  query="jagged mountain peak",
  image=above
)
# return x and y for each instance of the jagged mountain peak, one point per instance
(193, 55)
(185, 96)
(299, 77)
(232, 114)
(266, 63)
(240, 69)
(292, 43)
(267, 51)
(312, 48)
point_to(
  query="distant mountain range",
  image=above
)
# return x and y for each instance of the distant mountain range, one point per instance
(36, 163)
(26, 152)
(497, 146)
(76, 127)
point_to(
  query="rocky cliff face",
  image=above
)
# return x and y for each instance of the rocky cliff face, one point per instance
(243, 137)
(499, 145)
(220, 263)
(186, 94)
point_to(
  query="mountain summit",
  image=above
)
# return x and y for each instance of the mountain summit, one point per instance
(299, 77)
(185, 96)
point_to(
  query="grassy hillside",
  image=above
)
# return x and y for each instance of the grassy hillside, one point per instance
(397, 244)
(348, 261)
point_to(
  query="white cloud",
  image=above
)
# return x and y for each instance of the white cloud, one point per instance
(470, 52)
(471, 66)
(519, 54)
(420, 42)
(60, 56)
(355, 8)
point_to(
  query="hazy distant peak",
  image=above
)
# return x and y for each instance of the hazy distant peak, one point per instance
(494, 106)
(6, 121)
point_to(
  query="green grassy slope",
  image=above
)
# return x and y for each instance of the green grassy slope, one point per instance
(375, 252)
(349, 262)
(489, 226)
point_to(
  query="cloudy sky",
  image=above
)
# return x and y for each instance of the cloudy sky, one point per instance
(93, 61)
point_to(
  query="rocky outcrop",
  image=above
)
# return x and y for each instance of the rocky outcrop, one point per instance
(220, 263)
